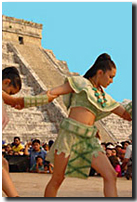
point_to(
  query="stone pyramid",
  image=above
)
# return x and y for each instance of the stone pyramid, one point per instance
(33, 122)
(40, 70)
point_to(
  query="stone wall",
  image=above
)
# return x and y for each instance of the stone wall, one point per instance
(21, 31)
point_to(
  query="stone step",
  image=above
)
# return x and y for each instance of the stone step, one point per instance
(4, 46)
(26, 114)
(31, 128)
(28, 136)
(7, 57)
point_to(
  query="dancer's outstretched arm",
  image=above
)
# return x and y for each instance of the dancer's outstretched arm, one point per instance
(38, 100)
(121, 111)
(61, 90)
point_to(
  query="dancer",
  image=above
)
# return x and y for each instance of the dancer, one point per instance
(76, 148)
(11, 84)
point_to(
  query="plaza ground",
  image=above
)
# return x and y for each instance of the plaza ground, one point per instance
(33, 185)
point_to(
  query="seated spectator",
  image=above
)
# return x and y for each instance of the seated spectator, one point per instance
(8, 148)
(15, 153)
(115, 163)
(121, 155)
(50, 143)
(109, 143)
(127, 162)
(109, 149)
(48, 167)
(108, 152)
(10, 152)
(110, 146)
(122, 143)
(17, 146)
(118, 147)
(38, 167)
(114, 152)
(103, 144)
(46, 147)
(34, 151)
(126, 143)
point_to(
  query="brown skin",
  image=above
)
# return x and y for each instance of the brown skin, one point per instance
(13, 101)
(8, 87)
(7, 184)
(101, 164)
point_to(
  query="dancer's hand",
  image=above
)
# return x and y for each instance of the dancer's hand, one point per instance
(120, 111)
(19, 103)
(18, 107)
(127, 116)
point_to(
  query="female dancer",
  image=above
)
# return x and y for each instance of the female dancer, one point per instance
(11, 84)
(76, 148)
(7, 184)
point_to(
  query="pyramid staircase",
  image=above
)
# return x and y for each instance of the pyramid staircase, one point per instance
(40, 70)
(29, 123)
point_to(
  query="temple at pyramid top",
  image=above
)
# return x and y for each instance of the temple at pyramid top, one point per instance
(21, 31)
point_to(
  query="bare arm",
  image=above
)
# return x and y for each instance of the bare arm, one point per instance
(120, 111)
(19, 103)
(61, 90)
(9, 100)
(26, 149)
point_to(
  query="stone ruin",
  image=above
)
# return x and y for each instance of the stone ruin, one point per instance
(40, 70)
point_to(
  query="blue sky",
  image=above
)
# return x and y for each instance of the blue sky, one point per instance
(78, 32)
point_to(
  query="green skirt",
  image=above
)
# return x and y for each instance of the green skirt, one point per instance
(78, 141)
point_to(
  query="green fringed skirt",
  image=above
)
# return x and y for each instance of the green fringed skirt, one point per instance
(78, 141)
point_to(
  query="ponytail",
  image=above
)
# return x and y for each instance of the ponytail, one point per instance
(103, 62)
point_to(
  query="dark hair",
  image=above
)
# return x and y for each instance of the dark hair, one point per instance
(37, 157)
(103, 62)
(13, 74)
(127, 141)
(36, 141)
(114, 160)
(103, 143)
(109, 143)
(50, 143)
(17, 138)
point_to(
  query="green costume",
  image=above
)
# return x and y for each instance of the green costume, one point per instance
(33, 101)
(75, 139)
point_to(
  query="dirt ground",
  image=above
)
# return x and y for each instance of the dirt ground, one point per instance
(33, 185)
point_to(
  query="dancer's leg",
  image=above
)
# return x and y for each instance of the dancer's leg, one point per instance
(103, 166)
(5, 164)
(7, 184)
(60, 164)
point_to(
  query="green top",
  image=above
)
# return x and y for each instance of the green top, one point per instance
(84, 96)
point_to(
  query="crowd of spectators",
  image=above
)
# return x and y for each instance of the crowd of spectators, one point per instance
(34, 149)
(119, 155)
